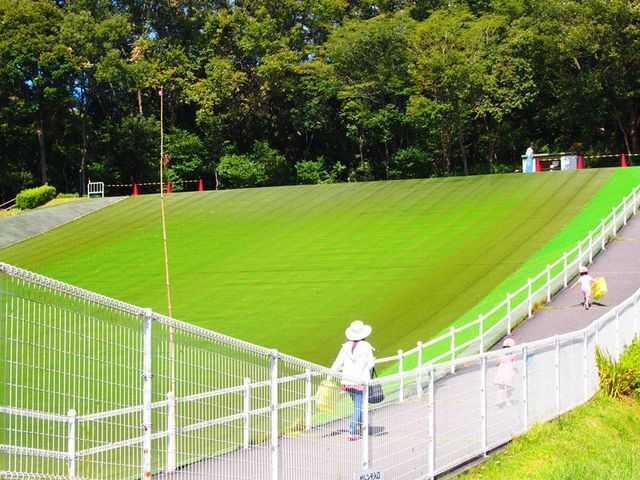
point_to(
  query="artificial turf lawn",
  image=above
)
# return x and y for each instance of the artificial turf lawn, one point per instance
(290, 267)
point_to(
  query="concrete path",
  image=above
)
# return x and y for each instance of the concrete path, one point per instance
(619, 264)
(16, 228)
(399, 445)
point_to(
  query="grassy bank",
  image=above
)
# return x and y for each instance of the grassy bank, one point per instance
(599, 440)
(289, 267)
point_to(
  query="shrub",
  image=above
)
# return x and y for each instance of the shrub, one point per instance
(630, 360)
(616, 379)
(34, 197)
(410, 162)
(313, 171)
(241, 171)
(274, 164)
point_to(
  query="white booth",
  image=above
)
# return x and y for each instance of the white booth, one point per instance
(553, 161)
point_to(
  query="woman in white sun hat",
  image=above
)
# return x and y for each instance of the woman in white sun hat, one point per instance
(355, 361)
(506, 374)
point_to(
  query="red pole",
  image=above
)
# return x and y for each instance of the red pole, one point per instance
(200, 186)
(135, 189)
(538, 167)
(168, 187)
(580, 162)
(623, 162)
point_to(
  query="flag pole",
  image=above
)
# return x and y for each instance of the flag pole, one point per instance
(171, 420)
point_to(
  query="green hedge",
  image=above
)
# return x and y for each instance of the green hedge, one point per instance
(34, 197)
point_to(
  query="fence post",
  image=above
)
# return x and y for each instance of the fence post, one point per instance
(419, 378)
(275, 447)
(530, 298)
(483, 399)
(590, 247)
(624, 211)
(604, 240)
(508, 314)
(566, 273)
(635, 200)
(246, 407)
(548, 283)
(585, 348)
(146, 394)
(525, 389)
(171, 429)
(365, 427)
(580, 252)
(615, 222)
(635, 314)
(432, 425)
(452, 333)
(401, 370)
(618, 346)
(557, 367)
(307, 394)
(71, 444)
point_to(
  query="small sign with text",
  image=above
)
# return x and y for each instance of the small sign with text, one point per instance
(369, 475)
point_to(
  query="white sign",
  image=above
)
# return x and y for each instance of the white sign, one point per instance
(369, 475)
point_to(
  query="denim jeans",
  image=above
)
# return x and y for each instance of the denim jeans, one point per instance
(356, 418)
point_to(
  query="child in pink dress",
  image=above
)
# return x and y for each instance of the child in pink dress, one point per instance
(586, 283)
(506, 375)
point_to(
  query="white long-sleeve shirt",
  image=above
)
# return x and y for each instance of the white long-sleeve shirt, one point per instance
(356, 365)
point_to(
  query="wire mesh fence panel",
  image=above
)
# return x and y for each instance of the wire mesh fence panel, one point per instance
(627, 323)
(400, 429)
(63, 353)
(458, 413)
(541, 383)
(314, 436)
(504, 397)
(571, 368)
(607, 336)
(217, 399)
(592, 383)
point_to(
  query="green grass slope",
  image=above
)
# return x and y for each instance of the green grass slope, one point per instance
(290, 267)
(597, 441)
(599, 206)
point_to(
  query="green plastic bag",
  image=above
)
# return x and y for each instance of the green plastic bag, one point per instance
(327, 396)
(599, 288)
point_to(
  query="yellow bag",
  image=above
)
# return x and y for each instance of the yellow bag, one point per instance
(327, 396)
(599, 288)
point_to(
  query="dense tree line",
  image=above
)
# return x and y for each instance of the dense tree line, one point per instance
(269, 92)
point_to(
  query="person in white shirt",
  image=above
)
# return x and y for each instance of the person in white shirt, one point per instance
(529, 162)
(355, 360)
(586, 284)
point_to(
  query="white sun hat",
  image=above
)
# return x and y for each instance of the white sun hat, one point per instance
(509, 342)
(584, 269)
(358, 330)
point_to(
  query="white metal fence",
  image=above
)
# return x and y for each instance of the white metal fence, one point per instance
(95, 188)
(99, 389)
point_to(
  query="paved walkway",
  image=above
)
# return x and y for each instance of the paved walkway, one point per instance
(16, 228)
(619, 264)
(399, 444)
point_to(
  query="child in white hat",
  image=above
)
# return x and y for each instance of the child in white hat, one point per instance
(586, 284)
(506, 374)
